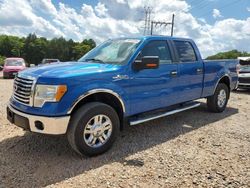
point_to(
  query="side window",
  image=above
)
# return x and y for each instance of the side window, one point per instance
(185, 51)
(157, 48)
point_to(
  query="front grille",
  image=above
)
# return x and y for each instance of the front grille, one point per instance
(244, 80)
(23, 90)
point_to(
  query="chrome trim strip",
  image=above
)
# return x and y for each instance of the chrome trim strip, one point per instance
(26, 89)
(52, 125)
(29, 87)
(21, 96)
(24, 81)
(24, 93)
(22, 84)
(164, 114)
(24, 100)
(32, 92)
(90, 92)
(226, 75)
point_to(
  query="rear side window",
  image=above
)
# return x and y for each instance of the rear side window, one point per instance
(185, 51)
(157, 48)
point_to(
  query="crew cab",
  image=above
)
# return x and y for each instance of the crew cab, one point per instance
(125, 81)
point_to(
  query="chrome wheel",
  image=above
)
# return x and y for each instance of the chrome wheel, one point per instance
(222, 98)
(97, 131)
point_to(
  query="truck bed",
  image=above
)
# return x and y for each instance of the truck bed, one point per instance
(215, 69)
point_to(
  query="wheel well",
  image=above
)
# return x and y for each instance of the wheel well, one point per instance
(105, 98)
(225, 80)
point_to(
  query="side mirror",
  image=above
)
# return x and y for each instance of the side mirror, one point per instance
(147, 62)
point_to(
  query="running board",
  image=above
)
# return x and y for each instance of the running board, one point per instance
(159, 115)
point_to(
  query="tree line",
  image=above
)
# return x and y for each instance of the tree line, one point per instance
(33, 49)
(233, 54)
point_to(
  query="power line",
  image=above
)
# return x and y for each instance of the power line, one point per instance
(160, 23)
(199, 5)
(222, 7)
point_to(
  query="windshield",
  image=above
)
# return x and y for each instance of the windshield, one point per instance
(112, 51)
(14, 62)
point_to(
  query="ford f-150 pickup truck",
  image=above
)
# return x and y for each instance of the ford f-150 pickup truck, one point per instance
(125, 81)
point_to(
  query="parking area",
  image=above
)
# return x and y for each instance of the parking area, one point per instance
(195, 148)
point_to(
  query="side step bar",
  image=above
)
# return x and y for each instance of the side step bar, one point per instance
(159, 115)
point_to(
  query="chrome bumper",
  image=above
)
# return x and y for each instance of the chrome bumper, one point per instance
(50, 125)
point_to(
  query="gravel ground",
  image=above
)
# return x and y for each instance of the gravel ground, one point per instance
(191, 149)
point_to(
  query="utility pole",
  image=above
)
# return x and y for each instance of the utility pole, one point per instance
(172, 26)
(147, 20)
(155, 23)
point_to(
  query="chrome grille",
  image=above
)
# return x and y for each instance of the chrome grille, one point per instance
(23, 90)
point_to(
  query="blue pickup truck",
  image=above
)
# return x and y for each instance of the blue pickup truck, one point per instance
(125, 81)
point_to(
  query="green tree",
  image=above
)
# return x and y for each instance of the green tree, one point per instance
(81, 49)
(33, 49)
(11, 46)
(2, 60)
(233, 54)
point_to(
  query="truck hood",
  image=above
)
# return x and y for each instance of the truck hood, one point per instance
(68, 69)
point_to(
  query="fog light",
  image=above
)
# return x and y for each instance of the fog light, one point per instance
(39, 125)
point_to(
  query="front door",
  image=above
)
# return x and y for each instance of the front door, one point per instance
(154, 88)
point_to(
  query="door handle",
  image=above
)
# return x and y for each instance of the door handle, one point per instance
(199, 70)
(173, 73)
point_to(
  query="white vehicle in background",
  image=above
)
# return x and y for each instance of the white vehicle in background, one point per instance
(244, 73)
(48, 61)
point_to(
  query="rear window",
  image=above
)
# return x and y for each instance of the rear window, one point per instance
(185, 51)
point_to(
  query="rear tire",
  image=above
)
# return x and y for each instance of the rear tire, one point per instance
(218, 102)
(93, 129)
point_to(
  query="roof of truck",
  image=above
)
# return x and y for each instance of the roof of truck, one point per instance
(147, 37)
(163, 36)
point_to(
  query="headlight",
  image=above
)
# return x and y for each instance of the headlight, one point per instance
(48, 93)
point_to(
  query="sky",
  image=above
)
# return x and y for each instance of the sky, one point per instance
(215, 25)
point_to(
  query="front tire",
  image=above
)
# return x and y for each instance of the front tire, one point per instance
(93, 129)
(218, 102)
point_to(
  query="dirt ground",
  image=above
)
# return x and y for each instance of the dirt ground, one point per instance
(195, 148)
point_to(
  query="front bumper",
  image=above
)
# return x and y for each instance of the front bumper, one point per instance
(11, 74)
(38, 124)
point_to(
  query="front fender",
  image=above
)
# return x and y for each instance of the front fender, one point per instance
(99, 86)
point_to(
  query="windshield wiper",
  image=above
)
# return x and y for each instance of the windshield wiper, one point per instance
(95, 60)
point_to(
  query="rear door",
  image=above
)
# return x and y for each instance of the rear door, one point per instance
(154, 88)
(190, 70)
